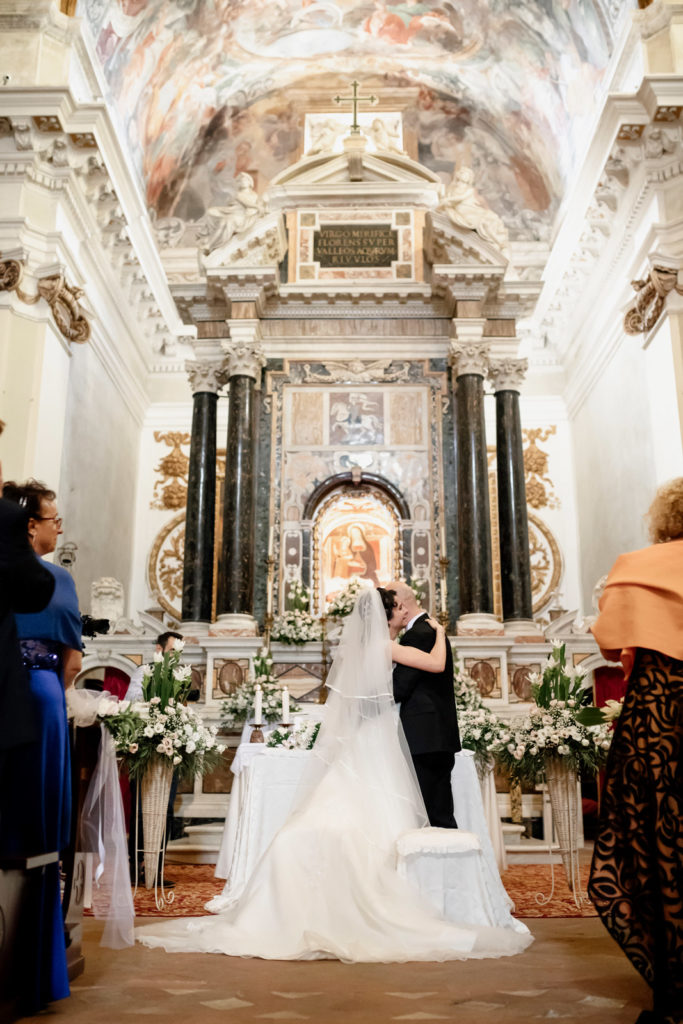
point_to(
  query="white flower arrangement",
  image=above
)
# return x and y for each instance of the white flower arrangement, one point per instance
(524, 746)
(612, 709)
(301, 737)
(563, 723)
(146, 730)
(297, 625)
(344, 603)
(238, 707)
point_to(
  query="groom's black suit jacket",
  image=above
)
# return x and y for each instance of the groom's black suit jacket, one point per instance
(427, 700)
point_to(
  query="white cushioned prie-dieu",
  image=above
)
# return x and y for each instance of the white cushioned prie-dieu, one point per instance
(436, 840)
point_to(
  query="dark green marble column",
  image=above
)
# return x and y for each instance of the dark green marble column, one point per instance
(206, 380)
(235, 596)
(474, 537)
(515, 567)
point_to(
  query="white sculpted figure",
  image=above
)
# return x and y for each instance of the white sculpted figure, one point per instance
(466, 209)
(385, 139)
(245, 209)
(324, 136)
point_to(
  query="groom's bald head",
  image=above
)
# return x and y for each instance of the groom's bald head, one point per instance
(407, 604)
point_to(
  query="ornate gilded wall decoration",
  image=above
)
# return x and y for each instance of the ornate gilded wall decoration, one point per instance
(546, 562)
(62, 298)
(165, 567)
(540, 491)
(651, 295)
(170, 490)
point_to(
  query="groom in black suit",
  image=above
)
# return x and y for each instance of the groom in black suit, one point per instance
(428, 714)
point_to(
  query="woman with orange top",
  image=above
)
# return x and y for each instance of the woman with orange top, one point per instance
(636, 880)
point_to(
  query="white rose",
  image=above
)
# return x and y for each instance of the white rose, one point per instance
(149, 731)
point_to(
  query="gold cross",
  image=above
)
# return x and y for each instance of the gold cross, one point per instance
(355, 99)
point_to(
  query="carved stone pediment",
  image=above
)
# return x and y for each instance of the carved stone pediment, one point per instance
(336, 169)
(264, 244)
(447, 244)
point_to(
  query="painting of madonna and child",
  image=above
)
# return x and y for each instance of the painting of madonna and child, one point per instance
(357, 537)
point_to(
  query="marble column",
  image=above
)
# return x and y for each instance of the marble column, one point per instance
(235, 600)
(206, 379)
(469, 360)
(507, 375)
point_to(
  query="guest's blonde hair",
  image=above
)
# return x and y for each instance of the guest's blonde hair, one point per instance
(665, 514)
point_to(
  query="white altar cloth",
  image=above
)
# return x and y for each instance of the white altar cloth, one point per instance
(264, 788)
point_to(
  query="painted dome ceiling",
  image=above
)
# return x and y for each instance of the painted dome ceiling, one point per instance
(206, 89)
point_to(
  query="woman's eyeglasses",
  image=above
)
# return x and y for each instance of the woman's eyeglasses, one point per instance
(57, 520)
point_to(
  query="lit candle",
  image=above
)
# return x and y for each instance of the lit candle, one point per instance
(443, 542)
(270, 542)
(285, 705)
(269, 593)
(258, 704)
(443, 593)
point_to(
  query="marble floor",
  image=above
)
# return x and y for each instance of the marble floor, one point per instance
(572, 972)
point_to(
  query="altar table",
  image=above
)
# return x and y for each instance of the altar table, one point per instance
(264, 789)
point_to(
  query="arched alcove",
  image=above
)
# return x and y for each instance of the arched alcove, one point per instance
(358, 525)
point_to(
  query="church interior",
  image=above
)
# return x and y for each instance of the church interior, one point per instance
(295, 293)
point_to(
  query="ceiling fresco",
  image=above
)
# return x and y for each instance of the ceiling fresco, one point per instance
(206, 89)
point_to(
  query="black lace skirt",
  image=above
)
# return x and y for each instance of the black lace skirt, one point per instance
(636, 880)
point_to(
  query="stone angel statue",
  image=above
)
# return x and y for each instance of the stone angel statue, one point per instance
(467, 210)
(234, 219)
(385, 137)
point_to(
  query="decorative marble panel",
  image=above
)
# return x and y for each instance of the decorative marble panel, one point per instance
(354, 245)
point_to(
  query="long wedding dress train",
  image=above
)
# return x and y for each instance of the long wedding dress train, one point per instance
(327, 886)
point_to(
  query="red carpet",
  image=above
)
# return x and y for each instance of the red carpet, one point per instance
(196, 884)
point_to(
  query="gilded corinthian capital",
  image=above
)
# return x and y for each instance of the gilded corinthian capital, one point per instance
(507, 374)
(469, 357)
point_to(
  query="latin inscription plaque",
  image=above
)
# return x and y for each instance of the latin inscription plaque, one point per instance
(355, 245)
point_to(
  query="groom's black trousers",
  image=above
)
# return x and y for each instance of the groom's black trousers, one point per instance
(433, 772)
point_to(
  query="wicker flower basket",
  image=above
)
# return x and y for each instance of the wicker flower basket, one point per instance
(155, 789)
(563, 791)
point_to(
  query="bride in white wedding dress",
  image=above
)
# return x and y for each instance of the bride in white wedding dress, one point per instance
(327, 886)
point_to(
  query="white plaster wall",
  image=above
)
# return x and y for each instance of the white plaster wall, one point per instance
(34, 371)
(664, 418)
(614, 460)
(98, 480)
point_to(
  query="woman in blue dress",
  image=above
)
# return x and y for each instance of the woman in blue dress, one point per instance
(35, 809)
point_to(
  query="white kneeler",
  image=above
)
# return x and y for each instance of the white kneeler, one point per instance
(449, 869)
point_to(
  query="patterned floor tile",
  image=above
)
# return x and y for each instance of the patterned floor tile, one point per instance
(225, 1004)
(411, 995)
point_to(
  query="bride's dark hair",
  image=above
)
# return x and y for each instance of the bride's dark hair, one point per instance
(388, 600)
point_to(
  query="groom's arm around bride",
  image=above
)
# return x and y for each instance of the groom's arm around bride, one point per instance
(427, 706)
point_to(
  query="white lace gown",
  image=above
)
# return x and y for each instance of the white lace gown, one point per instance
(327, 886)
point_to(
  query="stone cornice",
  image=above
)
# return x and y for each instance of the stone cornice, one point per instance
(646, 154)
(63, 144)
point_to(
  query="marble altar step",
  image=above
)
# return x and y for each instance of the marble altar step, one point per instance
(199, 846)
